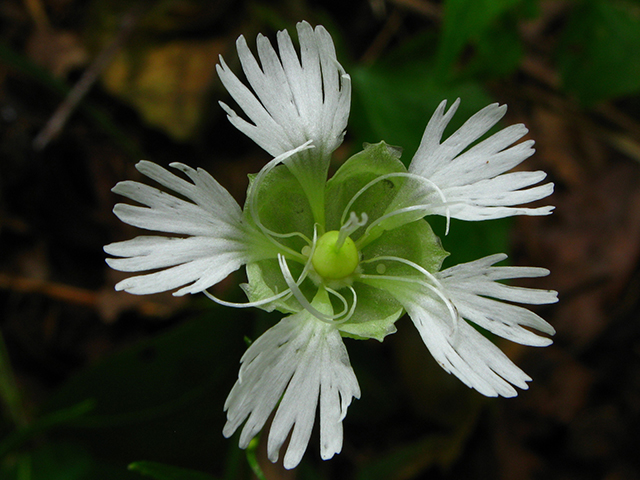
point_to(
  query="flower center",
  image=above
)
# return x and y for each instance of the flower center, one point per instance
(334, 257)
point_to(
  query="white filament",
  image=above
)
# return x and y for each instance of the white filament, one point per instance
(297, 293)
(436, 287)
(351, 226)
(418, 178)
(253, 209)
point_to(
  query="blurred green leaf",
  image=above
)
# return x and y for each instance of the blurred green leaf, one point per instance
(43, 424)
(59, 461)
(159, 471)
(465, 20)
(598, 57)
(411, 460)
(497, 53)
(161, 399)
(394, 99)
(468, 241)
(9, 391)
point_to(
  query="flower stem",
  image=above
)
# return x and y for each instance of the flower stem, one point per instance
(253, 460)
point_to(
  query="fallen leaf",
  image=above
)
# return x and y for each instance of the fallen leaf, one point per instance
(166, 84)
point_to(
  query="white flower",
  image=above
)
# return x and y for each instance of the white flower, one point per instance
(473, 182)
(358, 241)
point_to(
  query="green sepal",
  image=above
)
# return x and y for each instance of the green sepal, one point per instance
(363, 167)
(322, 302)
(265, 280)
(415, 192)
(258, 289)
(281, 206)
(414, 241)
(375, 315)
(310, 167)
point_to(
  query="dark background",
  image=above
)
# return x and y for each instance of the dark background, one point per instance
(92, 380)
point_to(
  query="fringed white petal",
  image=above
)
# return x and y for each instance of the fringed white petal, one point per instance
(297, 362)
(219, 243)
(470, 284)
(468, 355)
(458, 347)
(473, 180)
(212, 210)
(293, 98)
(197, 262)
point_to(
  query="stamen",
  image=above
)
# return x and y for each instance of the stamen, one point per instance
(298, 294)
(351, 226)
(345, 305)
(381, 219)
(264, 301)
(436, 287)
(284, 294)
(418, 178)
(353, 305)
(252, 201)
(295, 290)
(312, 249)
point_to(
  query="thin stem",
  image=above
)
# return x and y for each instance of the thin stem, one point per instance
(252, 459)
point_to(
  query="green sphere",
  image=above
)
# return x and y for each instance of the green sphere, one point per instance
(332, 263)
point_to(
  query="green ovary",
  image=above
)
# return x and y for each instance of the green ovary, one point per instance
(334, 263)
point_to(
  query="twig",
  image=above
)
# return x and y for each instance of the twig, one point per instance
(38, 13)
(99, 300)
(426, 9)
(64, 293)
(58, 120)
(393, 23)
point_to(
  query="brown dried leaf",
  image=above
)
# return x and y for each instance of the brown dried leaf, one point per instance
(57, 51)
(167, 84)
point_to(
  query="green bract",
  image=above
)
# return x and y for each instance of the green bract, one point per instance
(361, 199)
